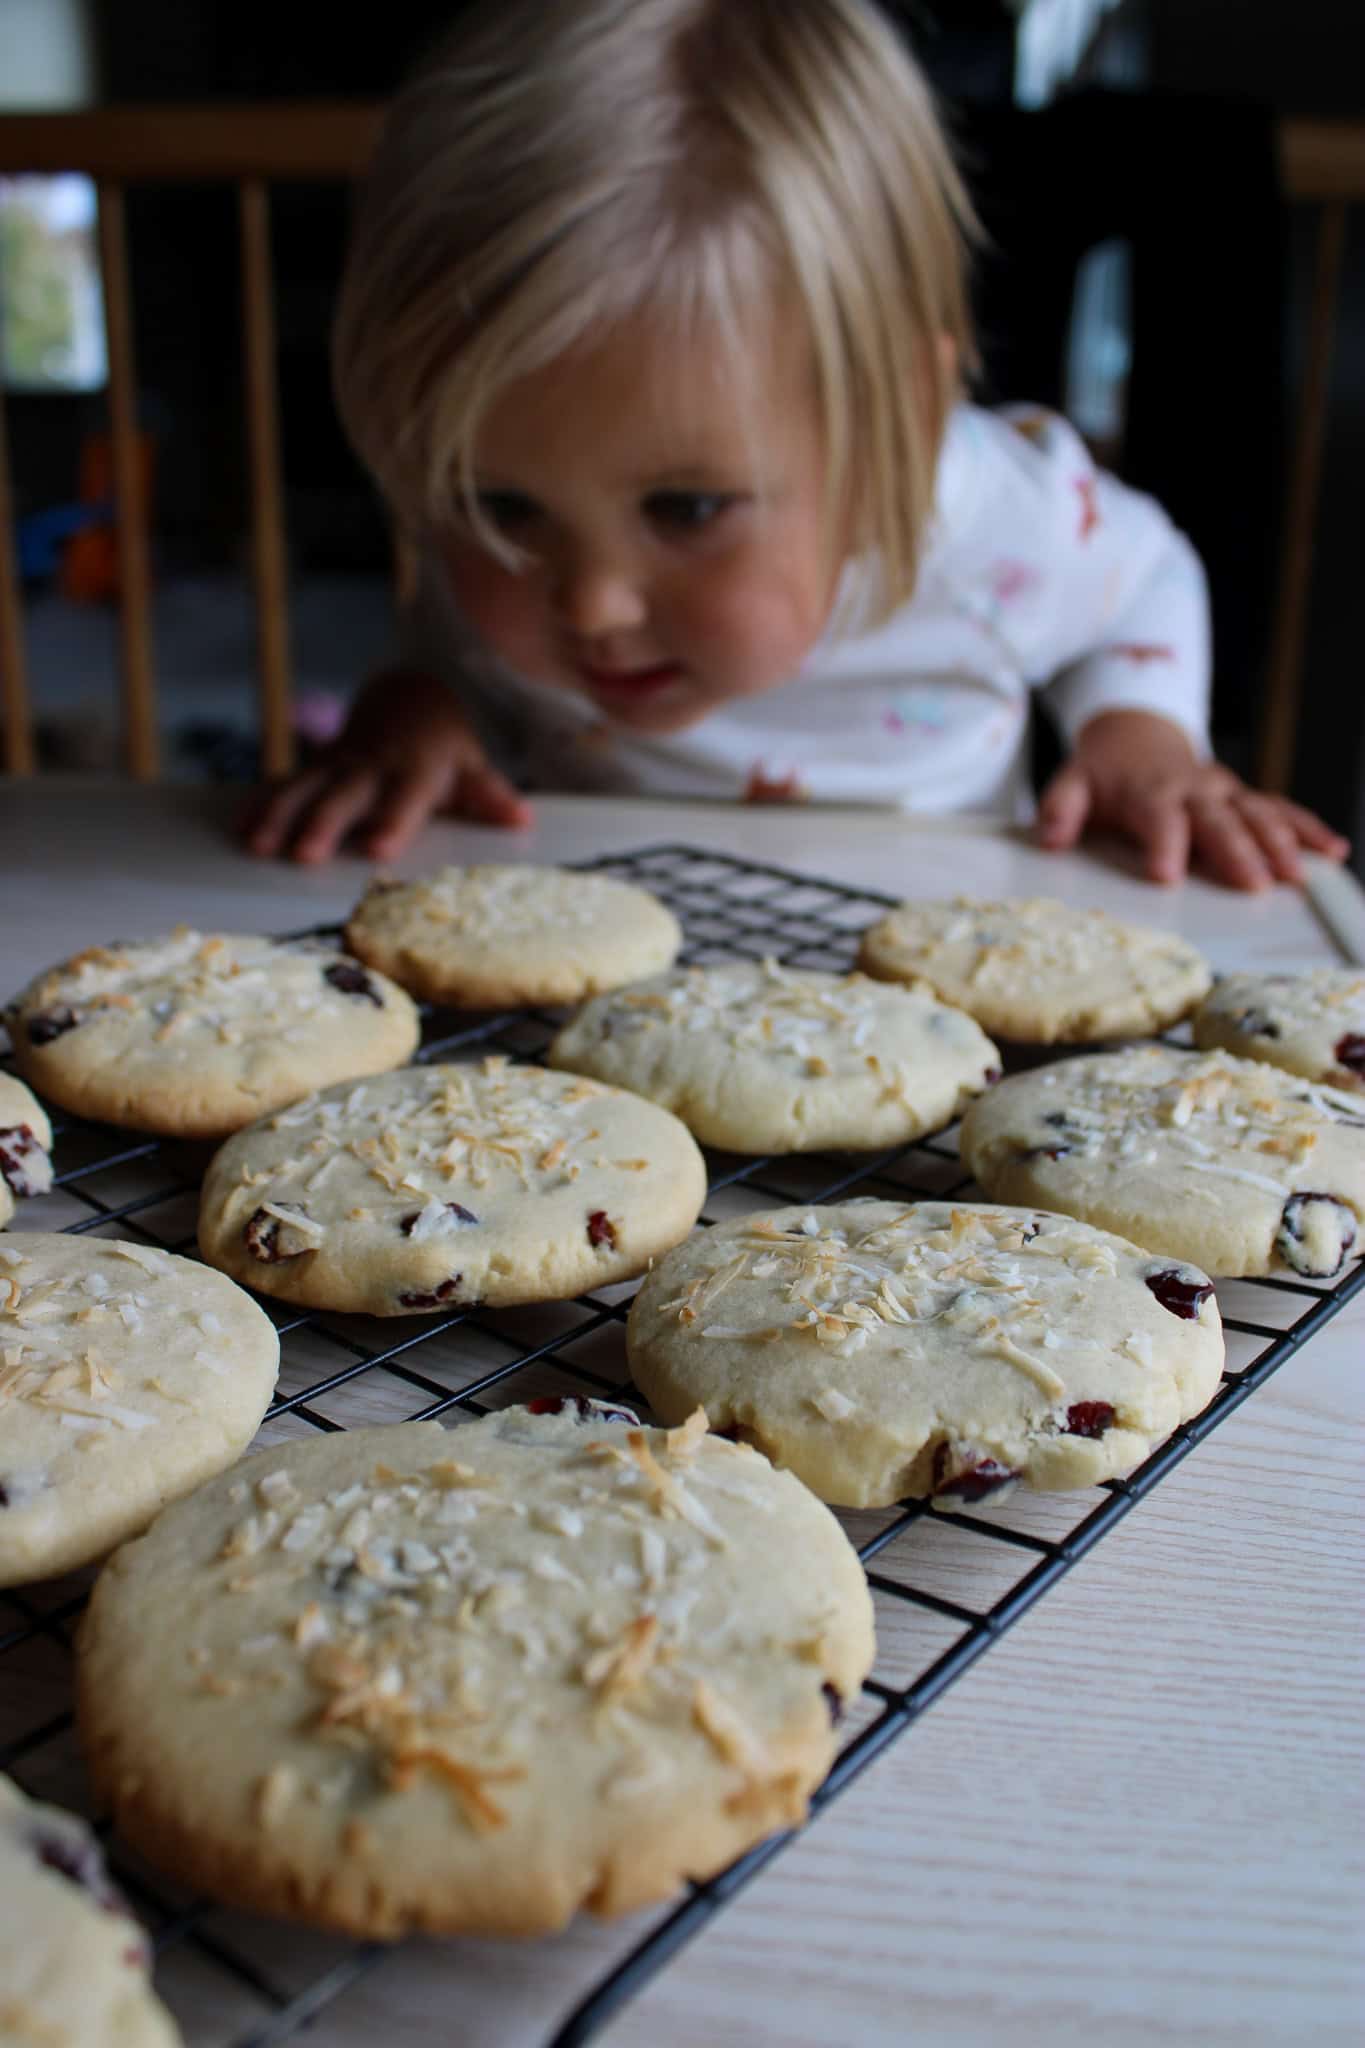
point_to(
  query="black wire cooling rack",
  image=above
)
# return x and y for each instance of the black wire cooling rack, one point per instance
(945, 1585)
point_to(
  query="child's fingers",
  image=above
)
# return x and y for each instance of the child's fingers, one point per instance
(405, 807)
(490, 799)
(1278, 840)
(1064, 808)
(266, 823)
(349, 798)
(1312, 831)
(1161, 825)
(1227, 845)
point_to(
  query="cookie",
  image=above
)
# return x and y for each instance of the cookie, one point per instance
(1037, 972)
(446, 1187)
(1226, 1162)
(194, 1035)
(472, 1680)
(25, 1146)
(73, 1961)
(762, 1058)
(1311, 1024)
(494, 937)
(879, 1349)
(127, 1375)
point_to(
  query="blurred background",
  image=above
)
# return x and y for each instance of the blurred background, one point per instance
(1152, 267)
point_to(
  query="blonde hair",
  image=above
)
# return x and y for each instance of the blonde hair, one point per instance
(560, 165)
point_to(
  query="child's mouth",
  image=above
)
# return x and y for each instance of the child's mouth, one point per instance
(626, 684)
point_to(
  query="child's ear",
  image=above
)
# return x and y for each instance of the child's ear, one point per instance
(949, 359)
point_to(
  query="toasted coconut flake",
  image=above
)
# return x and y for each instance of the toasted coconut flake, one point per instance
(621, 1666)
(468, 1781)
(727, 1731)
(450, 1474)
(684, 1441)
(311, 1627)
(833, 1405)
(274, 1794)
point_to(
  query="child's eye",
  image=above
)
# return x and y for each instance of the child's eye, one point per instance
(508, 511)
(687, 511)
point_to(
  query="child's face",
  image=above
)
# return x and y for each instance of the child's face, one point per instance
(672, 513)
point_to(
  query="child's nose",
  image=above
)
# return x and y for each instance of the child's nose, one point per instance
(595, 598)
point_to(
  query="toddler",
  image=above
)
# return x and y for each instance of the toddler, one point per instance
(654, 334)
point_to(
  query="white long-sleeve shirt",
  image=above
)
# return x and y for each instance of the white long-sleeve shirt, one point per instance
(1039, 570)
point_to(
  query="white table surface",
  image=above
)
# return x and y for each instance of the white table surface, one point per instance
(1140, 1818)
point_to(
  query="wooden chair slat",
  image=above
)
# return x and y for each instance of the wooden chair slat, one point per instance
(130, 496)
(269, 561)
(14, 704)
(164, 145)
(1279, 718)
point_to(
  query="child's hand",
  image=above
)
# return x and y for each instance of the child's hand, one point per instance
(1136, 773)
(405, 755)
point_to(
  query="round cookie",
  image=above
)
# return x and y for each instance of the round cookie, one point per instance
(762, 1058)
(25, 1146)
(879, 1350)
(496, 936)
(1226, 1162)
(469, 1681)
(73, 1961)
(195, 1035)
(1037, 972)
(127, 1375)
(444, 1187)
(1311, 1024)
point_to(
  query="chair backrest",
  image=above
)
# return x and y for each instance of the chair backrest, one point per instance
(250, 148)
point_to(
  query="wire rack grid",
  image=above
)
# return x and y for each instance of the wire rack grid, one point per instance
(946, 1585)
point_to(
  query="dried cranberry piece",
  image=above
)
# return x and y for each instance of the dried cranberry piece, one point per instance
(45, 1025)
(601, 1229)
(351, 980)
(1350, 1052)
(1182, 1297)
(581, 1409)
(261, 1233)
(1057, 1120)
(970, 1482)
(1089, 1418)
(1310, 1215)
(834, 1700)
(444, 1291)
(1256, 1024)
(76, 1856)
(457, 1210)
(23, 1161)
(19, 1487)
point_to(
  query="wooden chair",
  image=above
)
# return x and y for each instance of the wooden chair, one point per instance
(253, 146)
(249, 147)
